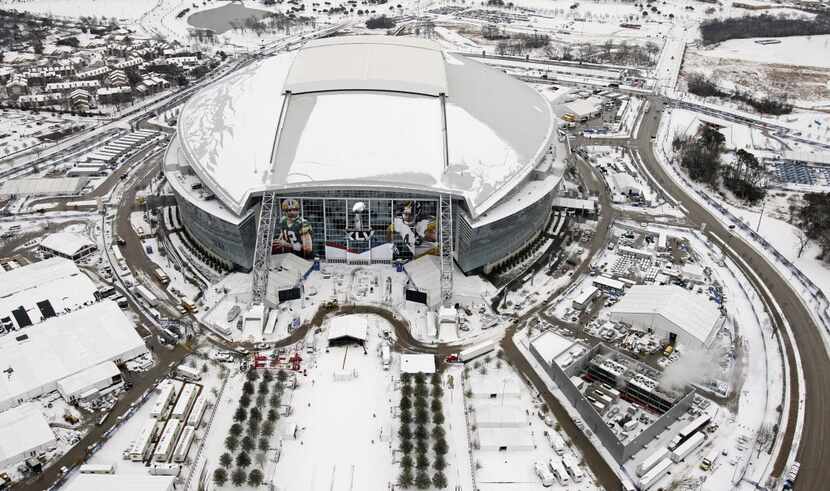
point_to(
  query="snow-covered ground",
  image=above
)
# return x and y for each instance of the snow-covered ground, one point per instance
(514, 402)
(793, 50)
(342, 438)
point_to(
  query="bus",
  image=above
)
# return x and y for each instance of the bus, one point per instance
(569, 118)
(98, 469)
(161, 276)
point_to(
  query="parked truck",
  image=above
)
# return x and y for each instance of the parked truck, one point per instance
(544, 474)
(146, 295)
(656, 473)
(476, 350)
(652, 460)
(689, 446)
(188, 372)
(386, 355)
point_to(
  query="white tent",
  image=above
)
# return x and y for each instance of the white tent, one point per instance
(670, 310)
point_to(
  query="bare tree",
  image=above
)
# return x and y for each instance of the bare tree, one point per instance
(803, 240)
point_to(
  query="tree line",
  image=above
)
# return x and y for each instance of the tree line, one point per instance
(700, 155)
(699, 85)
(764, 25)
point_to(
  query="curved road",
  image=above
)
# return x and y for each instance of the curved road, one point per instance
(814, 448)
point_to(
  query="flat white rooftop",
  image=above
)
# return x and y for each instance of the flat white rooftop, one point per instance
(41, 355)
(551, 346)
(77, 383)
(417, 363)
(22, 429)
(121, 482)
(32, 293)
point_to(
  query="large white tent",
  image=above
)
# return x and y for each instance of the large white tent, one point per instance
(667, 310)
(35, 359)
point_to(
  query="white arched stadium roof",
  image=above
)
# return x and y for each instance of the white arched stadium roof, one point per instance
(366, 111)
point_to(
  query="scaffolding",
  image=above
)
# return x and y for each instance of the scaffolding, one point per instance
(446, 242)
(262, 248)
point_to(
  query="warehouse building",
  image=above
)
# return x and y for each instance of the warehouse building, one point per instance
(24, 433)
(37, 359)
(677, 314)
(40, 291)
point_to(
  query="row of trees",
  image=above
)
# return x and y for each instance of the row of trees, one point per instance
(380, 22)
(417, 409)
(701, 157)
(764, 25)
(520, 44)
(251, 430)
(701, 86)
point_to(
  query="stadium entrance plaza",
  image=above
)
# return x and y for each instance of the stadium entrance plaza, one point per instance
(342, 409)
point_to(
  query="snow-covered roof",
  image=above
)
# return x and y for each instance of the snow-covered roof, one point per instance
(22, 429)
(365, 112)
(353, 326)
(66, 243)
(417, 363)
(368, 63)
(676, 309)
(550, 346)
(121, 482)
(41, 355)
(78, 383)
(43, 185)
(40, 290)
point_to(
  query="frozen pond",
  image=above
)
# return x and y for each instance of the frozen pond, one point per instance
(221, 19)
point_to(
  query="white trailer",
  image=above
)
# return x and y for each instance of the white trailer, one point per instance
(168, 393)
(544, 474)
(686, 431)
(655, 474)
(476, 351)
(146, 295)
(684, 449)
(185, 442)
(165, 469)
(98, 469)
(197, 412)
(559, 471)
(652, 460)
(556, 442)
(386, 356)
(140, 448)
(188, 396)
(189, 373)
(573, 469)
(167, 441)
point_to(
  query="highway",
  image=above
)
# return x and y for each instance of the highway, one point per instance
(813, 449)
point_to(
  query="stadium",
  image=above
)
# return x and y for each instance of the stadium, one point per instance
(360, 139)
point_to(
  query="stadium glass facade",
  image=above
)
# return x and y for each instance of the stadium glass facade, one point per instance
(357, 227)
(360, 227)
